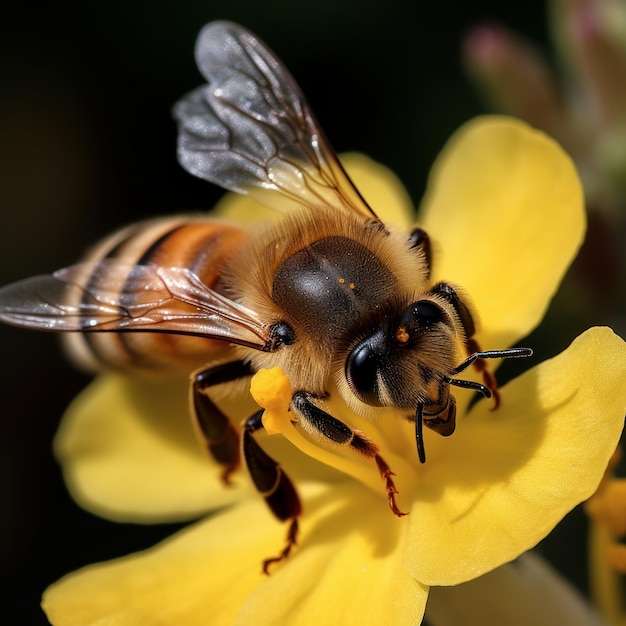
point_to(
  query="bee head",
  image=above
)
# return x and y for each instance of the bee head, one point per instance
(403, 362)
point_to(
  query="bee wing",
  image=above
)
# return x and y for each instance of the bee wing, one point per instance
(108, 296)
(250, 130)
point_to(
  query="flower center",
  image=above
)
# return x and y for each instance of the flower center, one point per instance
(386, 446)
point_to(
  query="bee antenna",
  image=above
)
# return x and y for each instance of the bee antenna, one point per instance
(511, 353)
(419, 437)
(468, 384)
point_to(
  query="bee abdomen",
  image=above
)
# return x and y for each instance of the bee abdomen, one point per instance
(202, 245)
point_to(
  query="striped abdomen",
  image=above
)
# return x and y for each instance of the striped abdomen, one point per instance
(203, 245)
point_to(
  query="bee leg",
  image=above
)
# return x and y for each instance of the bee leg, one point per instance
(467, 321)
(419, 240)
(337, 432)
(219, 435)
(273, 484)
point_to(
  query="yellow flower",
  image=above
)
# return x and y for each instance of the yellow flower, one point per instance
(527, 591)
(504, 212)
(607, 510)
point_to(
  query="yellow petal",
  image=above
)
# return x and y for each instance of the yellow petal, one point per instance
(348, 569)
(508, 477)
(129, 453)
(525, 592)
(504, 209)
(211, 572)
(243, 210)
(380, 187)
(197, 577)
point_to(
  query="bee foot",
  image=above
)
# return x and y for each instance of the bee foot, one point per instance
(386, 473)
(292, 536)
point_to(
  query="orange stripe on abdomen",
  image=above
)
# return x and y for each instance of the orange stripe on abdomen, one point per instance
(200, 244)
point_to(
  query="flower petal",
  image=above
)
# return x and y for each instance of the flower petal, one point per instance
(349, 573)
(200, 575)
(129, 452)
(509, 476)
(211, 572)
(381, 188)
(527, 591)
(504, 209)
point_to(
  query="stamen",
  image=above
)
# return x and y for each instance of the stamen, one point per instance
(607, 558)
(608, 506)
(272, 391)
(616, 557)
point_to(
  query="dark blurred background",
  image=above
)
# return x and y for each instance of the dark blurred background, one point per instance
(87, 144)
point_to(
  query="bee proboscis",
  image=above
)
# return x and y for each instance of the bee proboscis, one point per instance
(329, 293)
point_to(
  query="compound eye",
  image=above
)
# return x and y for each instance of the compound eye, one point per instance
(362, 367)
(428, 313)
(424, 314)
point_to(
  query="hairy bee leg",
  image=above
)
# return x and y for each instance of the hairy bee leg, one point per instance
(336, 431)
(420, 240)
(220, 436)
(273, 484)
(467, 321)
(448, 292)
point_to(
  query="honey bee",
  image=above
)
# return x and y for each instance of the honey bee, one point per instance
(330, 294)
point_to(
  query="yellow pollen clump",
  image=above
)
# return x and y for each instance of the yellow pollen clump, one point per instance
(351, 285)
(271, 390)
(342, 281)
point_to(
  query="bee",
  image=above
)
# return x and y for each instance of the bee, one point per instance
(329, 293)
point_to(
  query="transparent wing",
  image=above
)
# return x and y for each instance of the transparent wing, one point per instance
(108, 296)
(250, 130)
